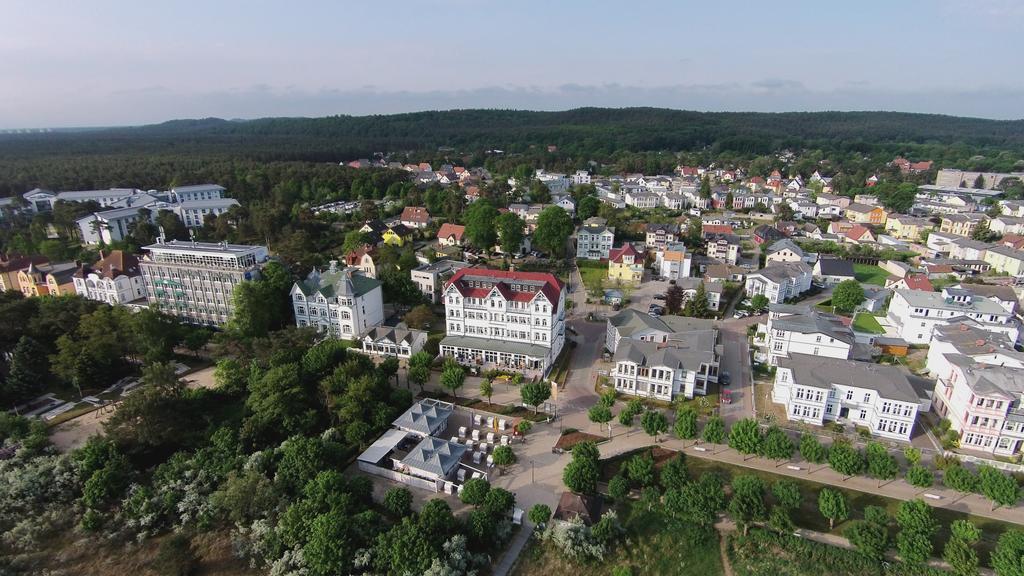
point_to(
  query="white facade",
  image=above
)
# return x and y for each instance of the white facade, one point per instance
(198, 192)
(115, 279)
(339, 302)
(916, 314)
(663, 371)
(593, 242)
(816, 391)
(674, 263)
(779, 281)
(194, 212)
(983, 403)
(504, 318)
(813, 333)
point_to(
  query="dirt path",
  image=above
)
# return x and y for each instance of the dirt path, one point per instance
(74, 433)
(724, 527)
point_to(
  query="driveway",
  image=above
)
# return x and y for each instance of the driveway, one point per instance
(736, 361)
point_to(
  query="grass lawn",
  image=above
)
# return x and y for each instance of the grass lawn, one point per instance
(865, 322)
(870, 274)
(651, 546)
(594, 279)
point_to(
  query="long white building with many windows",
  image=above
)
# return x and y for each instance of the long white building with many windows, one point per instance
(195, 281)
(504, 319)
(916, 314)
(341, 302)
(879, 398)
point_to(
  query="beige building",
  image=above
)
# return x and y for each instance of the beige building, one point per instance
(47, 279)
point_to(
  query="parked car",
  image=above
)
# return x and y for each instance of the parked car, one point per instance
(726, 397)
(724, 378)
(659, 296)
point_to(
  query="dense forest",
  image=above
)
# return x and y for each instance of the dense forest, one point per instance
(644, 139)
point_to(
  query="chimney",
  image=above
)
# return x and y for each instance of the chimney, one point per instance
(334, 266)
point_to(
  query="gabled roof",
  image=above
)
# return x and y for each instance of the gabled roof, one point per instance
(780, 271)
(918, 282)
(835, 267)
(616, 254)
(425, 416)
(348, 282)
(417, 214)
(377, 226)
(477, 283)
(115, 264)
(814, 322)
(785, 244)
(448, 229)
(890, 382)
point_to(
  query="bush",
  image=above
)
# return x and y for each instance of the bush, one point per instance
(176, 557)
(539, 514)
(474, 491)
(618, 487)
(398, 501)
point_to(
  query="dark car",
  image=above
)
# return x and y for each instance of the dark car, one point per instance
(724, 378)
(659, 296)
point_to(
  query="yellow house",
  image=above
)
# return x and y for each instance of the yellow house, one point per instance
(1006, 260)
(625, 265)
(47, 279)
(397, 235)
(907, 227)
(11, 264)
(866, 214)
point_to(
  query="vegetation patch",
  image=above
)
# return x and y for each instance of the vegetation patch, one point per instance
(865, 322)
(870, 274)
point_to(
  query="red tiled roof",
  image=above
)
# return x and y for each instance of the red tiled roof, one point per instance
(14, 262)
(504, 279)
(857, 232)
(616, 254)
(448, 229)
(112, 265)
(716, 229)
(415, 214)
(918, 282)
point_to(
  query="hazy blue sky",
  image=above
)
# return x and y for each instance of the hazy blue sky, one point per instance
(103, 62)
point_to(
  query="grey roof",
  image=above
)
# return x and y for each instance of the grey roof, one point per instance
(425, 416)
(989, 379)
(977, 304)
(969, 338)
(345, 282)
(629, 321)
(442, 266)
(689, 353)
(835, 267)
(595, 229)
(815, 323)
(435, 455)
(860, 208)
(782, 271)
(999, 292)
(668, 228)
(397, 335)
(198, 188)
(209, 203)
(694, 283)
(1007, 251)
(380, 448)
(508, 346)
(889, 381)
(785, 244)
(789, 308)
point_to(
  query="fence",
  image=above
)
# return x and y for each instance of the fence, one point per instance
(398, 477)
(1008, 466)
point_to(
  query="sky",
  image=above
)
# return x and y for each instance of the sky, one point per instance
(114, 62)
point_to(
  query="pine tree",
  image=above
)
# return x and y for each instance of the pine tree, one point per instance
(27, 373)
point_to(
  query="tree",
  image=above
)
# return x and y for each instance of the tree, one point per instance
(618, 487)
(582, 472)
(27, 374)
(811, 449)
(979, 182)
(697, 306)
(539, 514)
(869, 538)
(958, 552)
(714, 430)
(640, 469)
(535, 393)
(419, 368)
(673, 475)
(195, 339)
(1008, 557)
(787, 494)
(913, 455)
(587, 207)
(176, 557)
(747, 504)
(777, 444)
(554, 226)
(845, 459)
(510, 229)
(759, 302)
(420, 317)
(1002, 489)
(474, 491)
(504, 457)
(917, 526)
(353, 240)
(674, 298)
(705, 187)
(982, 232)
(919, 476)
(452, 377)
(697, 502)
(480, 224)
(960, 479)
(745, 437)
(398, 501)
(486, 389)
(847, 295)
(436, 519)
(686, 423)
(499, 502)
(833, 506)
(600, 414)
(654, 423)
(880, 464)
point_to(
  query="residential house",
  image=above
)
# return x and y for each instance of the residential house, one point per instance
(832, 271)
(1004, 225)
(913, 281)
(767, 234)
(970, 339)
(879, 398)
(915, 314)
(963, 248)
(11, 264)
(859, 235)
(663, 371)
(673, 263)
(450, 234)
(594, 240)
(712, 291)
(397, 235)
(841, 202)
(399, 342)
(640, 198)
(661, 235)
(788, 251)
(961, 224)
(49, 279)
(724, 273)
(710, 230)
(431, 278)
(865, 214)
(632, 324)
(810, 332)
(566, 203)
(907, 227)
(625, 265)
(362, 258)
(339, 302)
(505, 319)
(724, 248)
(1005, 260)
(779, 281)
(1001, 294)
(115, 279)
(415, 217)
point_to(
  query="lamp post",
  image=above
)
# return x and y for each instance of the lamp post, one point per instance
(533, 478)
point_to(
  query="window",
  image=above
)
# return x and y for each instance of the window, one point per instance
(863, 415)
(849, 394)
(867, 398)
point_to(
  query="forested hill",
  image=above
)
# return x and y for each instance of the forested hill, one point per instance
(584, 130)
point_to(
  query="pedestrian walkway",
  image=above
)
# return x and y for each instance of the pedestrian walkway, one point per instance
(512, 551)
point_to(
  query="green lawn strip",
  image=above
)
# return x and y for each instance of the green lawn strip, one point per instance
(865, 322)
(870, 274)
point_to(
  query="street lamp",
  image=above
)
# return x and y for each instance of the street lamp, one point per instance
(533, 478)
